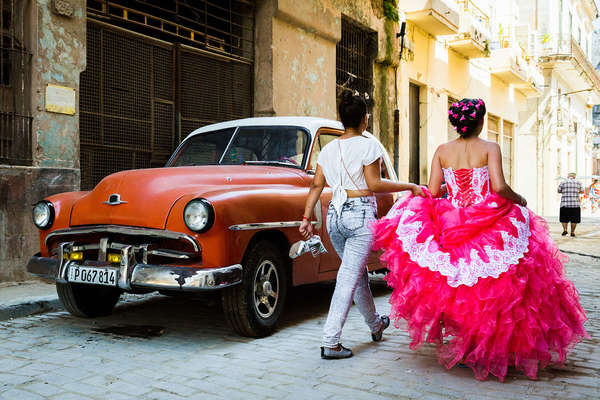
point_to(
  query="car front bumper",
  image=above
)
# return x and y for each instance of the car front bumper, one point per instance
(147, 276)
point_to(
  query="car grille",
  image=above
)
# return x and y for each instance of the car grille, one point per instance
(150, 246)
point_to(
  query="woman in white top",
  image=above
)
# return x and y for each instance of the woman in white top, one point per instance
(351, 167)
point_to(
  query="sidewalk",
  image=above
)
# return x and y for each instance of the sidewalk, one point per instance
(27, 298)
(587, 238)
(34, 297)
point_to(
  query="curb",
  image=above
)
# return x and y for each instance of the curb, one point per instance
(30, 308)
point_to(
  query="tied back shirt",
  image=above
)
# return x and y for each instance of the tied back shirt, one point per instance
(356, 152)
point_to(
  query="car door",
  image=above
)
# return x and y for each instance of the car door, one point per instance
(329, 261)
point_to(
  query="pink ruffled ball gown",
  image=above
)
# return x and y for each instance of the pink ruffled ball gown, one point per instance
(480, 277)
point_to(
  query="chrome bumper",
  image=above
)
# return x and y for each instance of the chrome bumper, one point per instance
(147, 276)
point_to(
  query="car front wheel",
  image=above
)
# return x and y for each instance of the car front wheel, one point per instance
(253, 307)
(87, 300)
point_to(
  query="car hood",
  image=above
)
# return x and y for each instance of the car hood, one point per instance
(147, 195)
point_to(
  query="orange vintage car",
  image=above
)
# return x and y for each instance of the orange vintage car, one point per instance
(221, 215)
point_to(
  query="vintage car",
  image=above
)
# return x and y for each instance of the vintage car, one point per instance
(221, 215)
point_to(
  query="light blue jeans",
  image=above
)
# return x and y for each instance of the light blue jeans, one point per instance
(351, 239)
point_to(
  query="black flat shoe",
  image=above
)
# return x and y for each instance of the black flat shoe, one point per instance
(572, 235)
(564, 233)
(328, 353)
(385, 321)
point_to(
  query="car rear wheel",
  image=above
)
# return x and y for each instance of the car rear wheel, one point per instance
(253, 307)
(87, 301)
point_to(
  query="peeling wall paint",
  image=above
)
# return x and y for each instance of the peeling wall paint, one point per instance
(59, 51)
(59, 57)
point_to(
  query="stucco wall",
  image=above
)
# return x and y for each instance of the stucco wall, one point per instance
(295, 53)
(58, 46)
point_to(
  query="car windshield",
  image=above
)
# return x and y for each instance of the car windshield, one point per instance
(203, 149)
(271, 145)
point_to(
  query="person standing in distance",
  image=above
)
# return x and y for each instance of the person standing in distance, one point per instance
(570, 206)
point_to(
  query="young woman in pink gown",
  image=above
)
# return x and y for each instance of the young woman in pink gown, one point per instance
(477, 273)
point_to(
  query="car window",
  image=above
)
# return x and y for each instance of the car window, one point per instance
(268, 144)
(320, 142)
(204, 148)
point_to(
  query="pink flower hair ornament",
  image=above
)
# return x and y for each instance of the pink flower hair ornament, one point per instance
(464, 129)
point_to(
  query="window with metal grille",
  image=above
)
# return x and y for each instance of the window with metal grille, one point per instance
(355, 55)
(221, 26)
(15, 81)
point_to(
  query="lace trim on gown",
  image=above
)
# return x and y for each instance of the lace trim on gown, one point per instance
(462, 272)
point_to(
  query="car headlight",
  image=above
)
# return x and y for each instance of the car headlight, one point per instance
(199, 215)
(43, 214)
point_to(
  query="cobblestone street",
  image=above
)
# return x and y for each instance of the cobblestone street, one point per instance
(189, 352)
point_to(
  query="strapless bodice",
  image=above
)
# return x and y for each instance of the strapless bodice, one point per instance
(467, 186)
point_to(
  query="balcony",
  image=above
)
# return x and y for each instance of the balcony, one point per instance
(566, 56)
(533, 86)
(473, 39)
(437, 17)
(508, 65)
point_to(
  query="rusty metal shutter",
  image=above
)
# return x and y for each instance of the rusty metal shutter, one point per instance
(212, 89)
(134, 88)
(126, 104)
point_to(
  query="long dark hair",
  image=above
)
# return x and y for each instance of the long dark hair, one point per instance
(352, 109)
(465, 115)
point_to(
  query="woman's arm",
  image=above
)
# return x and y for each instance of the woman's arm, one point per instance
(499, 184)
(316, 187)
(378, 185)
(437, 176)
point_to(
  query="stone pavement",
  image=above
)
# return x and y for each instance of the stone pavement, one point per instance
(190, 353)
(184, 349)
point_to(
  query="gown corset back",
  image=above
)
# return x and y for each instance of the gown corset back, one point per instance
(467, 187)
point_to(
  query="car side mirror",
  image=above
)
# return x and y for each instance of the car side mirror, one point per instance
(310, 172)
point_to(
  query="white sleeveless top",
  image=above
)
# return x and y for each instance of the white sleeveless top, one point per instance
(356, 152)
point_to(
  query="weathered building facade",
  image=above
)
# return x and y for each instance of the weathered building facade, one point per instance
(117, 85)
(559, 125)
(42, 45)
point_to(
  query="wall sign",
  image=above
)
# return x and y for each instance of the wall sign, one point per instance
(60, 99)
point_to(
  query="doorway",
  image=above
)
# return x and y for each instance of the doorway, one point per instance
(414, 121)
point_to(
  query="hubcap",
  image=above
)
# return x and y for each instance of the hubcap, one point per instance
(266, 289)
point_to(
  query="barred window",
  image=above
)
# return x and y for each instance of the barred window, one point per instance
(15, 75)
(355, 56)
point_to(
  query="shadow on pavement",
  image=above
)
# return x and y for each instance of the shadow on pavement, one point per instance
(201, 316)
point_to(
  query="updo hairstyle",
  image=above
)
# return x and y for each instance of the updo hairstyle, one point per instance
(352, 109)
(466, 115)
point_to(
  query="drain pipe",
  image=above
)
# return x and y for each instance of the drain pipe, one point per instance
(400, 35)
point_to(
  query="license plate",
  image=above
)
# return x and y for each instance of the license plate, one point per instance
(93, 275)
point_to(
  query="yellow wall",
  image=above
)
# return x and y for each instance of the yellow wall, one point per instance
(441, 72)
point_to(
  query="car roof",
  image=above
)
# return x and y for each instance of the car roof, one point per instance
(311, 123)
